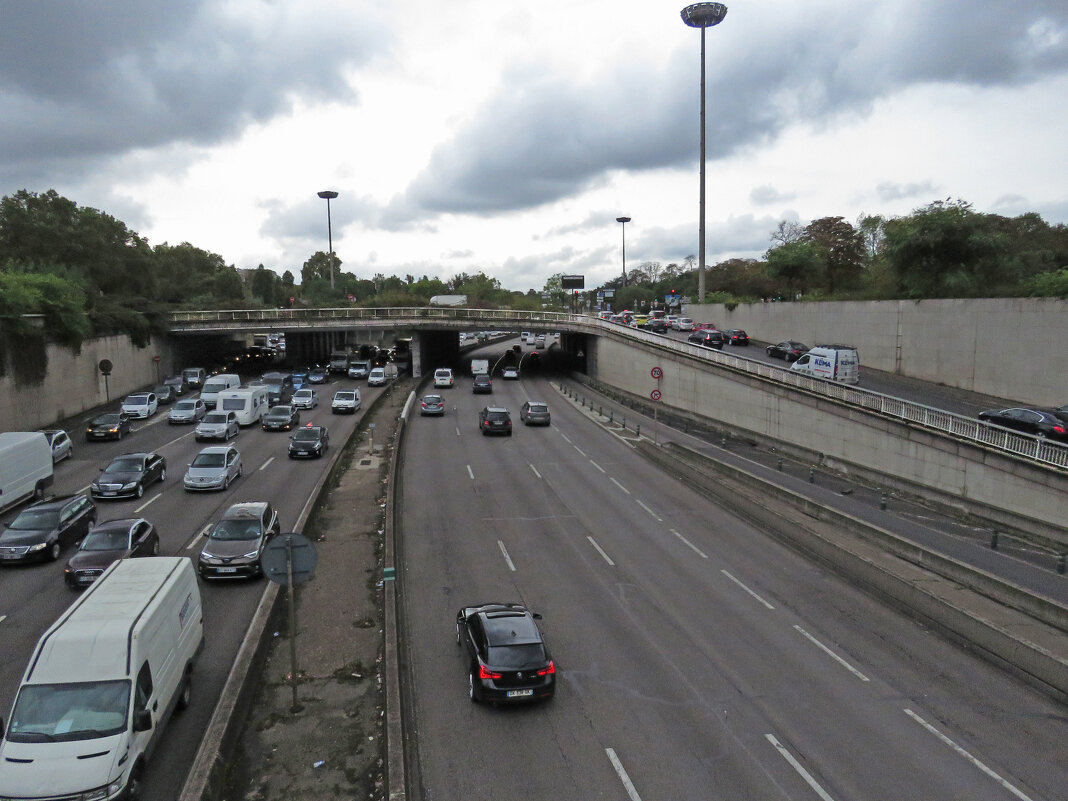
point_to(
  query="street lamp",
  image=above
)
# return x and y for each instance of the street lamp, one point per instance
(624, 220)
(329, 195)
(703, 15)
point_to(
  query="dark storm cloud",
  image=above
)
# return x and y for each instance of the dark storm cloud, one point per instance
(83, 80)
(544, 139)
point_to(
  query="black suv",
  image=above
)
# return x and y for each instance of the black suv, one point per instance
(42, 530)
(495, 420)
(708, 339)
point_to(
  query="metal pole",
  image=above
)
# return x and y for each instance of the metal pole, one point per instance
(330, 230)
(292, 589)
(701, 226)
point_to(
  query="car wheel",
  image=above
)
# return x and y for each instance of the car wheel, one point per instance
(472, 693)
(186, 694)
(457, 635)
(155, 548)
(135, 788)
(53, 551)
(140, 491)
(162, 475)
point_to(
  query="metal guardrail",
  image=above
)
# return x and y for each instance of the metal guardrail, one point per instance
(1037, 449)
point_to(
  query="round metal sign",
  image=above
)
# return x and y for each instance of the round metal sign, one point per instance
(156, 359)
(655, 394)
(280, 550)
(656, 373)
(105, 366)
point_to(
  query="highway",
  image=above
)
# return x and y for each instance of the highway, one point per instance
(697, 657)
(33, 596)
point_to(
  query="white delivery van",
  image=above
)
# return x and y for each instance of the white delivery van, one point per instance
(215, 384)
(102, 683)
(25, 466)
(250, 404)
(195, 376)
(830, 362)
(480, 367)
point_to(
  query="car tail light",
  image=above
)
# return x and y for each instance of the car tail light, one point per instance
(1058, 429)
(483, 673)
(549, 670)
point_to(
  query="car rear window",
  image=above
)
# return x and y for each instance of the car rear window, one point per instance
(516, 656)
(538, 407)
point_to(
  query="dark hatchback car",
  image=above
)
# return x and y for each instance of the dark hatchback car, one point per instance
(789, 350)
(165, 394)
(309, 442)
(708, 339)
(736, 336)
(1028, 421)
(106, 543)
(495, 420)
(281, 418)
(235, 542)
(318, 375)
(178, 384)
(482, 385)
(107, 426)
(508, 659)
(43, 530)
(129, 475)
(432, 405)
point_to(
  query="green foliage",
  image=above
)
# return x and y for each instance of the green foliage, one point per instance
(796, 263)
(1050, 285)
(34, 306)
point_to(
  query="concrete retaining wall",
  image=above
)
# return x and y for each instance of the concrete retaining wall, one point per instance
(1000, 346)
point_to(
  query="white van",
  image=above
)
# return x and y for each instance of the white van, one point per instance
(102, 684)
(25, 466)
(216, 384)
(250, 404)
(195, 376)
(830, 362)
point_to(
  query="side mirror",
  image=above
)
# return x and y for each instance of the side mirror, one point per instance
(142, 720)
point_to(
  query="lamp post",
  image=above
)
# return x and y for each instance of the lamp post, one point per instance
(329, 195)
(624, 220)
(703, 15)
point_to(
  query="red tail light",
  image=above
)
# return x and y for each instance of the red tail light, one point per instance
(487, 674)
(549, 670)
(1058, 429)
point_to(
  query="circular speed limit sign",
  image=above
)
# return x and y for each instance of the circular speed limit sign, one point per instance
(655, 394)
(656, 373)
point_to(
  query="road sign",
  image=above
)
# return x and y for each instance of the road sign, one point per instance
(656, 373)
(655, 394)
(277, 553)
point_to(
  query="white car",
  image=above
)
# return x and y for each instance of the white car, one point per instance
(143, 404)
(511, 372)
(346, 401)
(443, 377)
(305, 399)
(684, 324)
(377, 377)
(62, 447)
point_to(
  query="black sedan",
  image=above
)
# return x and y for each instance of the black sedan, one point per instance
(107, 426)
(309, 442)
(44, 529)
(281, 418)
(789, 350)
(736, 336)
(129, 475)
(1029, 421)
(109, 542)
(507, 658)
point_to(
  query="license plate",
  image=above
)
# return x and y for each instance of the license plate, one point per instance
(519, 693)
(106, 494)
(10, 556)
(227, 569)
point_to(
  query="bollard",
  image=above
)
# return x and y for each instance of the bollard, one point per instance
(882, 502)
(638, 429)
(723, 441)
(1060, 564)
(780, 464)
(611, 416)
(811, 476)
(624, 423)
(994, 540)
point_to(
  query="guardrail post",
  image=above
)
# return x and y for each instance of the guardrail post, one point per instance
(1060, 563)
(624, 423)
(638, 431)
(611, 416)
(994, 540)
(882, 502)
(779, 465)
(723, 441)
(811, 475)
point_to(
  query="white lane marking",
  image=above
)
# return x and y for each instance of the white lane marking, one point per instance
(832, 654)
(623, 777)
(577, 448)
(566, 438)
(702, 554)
(598, 466)
(507, 558)
(600, 550)
(3, 618)
(457, 429)
(196, 537)
(797, 766)
(966, 755)
(153, 499)
(650, 511)
(732, 578)
(264, 466)
(619, 485)
(532, 467)
(470, 473)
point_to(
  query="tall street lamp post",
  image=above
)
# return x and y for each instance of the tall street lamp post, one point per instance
(329, 195)
(703, 15)
(624, 220)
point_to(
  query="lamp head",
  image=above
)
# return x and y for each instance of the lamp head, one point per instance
(704, 15)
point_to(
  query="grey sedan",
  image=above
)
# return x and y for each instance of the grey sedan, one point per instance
(218, 425)
(187, 411)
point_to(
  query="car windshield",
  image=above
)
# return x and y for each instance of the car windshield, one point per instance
(281, 411)
(214, 417)
(209, 460)
(35, 519)
(137, 400)
(306, 435)
(516, 656)
(124, 466)
(303, 393)
(74, 711)
(105, 420)
(236, 530)
(185, 406)
(106, 540)
(345, 396)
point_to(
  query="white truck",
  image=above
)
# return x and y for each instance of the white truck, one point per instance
(25, 466)
(102, 683)
(839, 363)
(216, 384)
(480, 367)
(448, 300)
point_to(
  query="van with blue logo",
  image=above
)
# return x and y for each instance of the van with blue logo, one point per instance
(839, 363)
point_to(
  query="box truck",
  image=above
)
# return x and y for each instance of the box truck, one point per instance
(25, 466)
(102, 683)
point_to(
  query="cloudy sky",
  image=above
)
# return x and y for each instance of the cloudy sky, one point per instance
(507, 137)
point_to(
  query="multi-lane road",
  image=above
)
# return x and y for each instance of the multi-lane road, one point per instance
(697, 657)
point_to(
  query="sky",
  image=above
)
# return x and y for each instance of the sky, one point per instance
(507, 137)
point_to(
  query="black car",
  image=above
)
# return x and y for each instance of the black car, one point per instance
(107, 426)
(432, 405)
(318, 375)
(281, 418)
(508, 660)
(165, 394)
(109, 542)
(482, 385)
(736, 336)
(789, 350)
(495, 420)
(235, 542)
(1029, 421)
(309, 442)
(44, 529)
(178, 383)
(1062, 413)
(129, 475)
(708, 339)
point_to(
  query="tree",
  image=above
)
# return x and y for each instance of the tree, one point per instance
(840, 248)
(871, 229)
(797, 263)
(266, 286)
(787, 231)
(319, 266)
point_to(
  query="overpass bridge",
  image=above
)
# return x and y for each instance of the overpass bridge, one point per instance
(1004, 478)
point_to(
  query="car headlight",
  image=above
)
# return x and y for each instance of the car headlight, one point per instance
(129, 485)
(208, 558)
(250, 555)
(38, 547)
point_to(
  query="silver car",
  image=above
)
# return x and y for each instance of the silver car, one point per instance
(534, 413)
(217, 425)
(213, 468)
(305, 399)
(187, 411)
